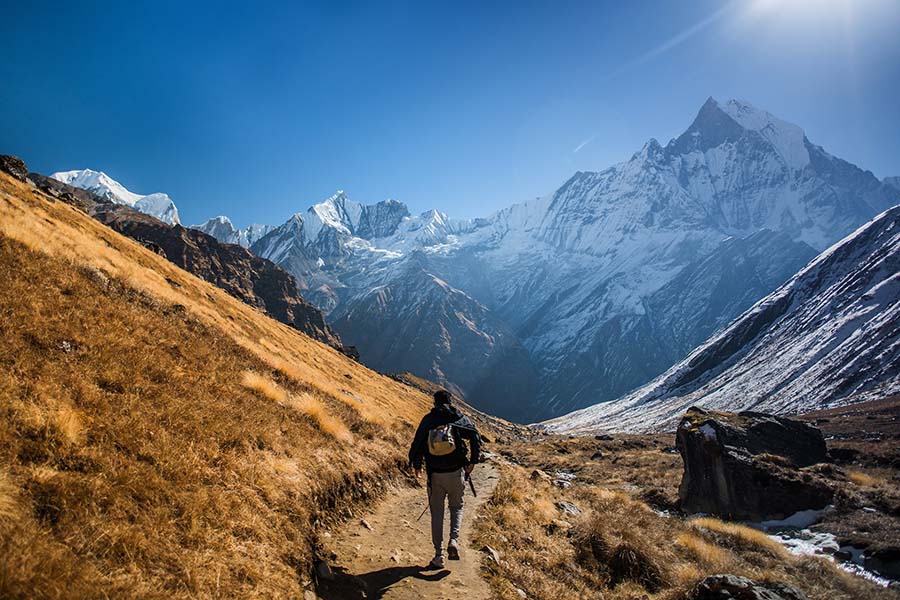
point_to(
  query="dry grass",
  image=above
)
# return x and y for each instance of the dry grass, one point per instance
(741, 537)
(711, 557)
(141, 457)
(264, 386)
(619, 548)
(327, 423)
(864, 479)
(8, 491)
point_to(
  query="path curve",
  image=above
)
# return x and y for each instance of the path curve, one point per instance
(384, 554)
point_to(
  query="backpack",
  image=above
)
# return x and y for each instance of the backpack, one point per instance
(441, 440)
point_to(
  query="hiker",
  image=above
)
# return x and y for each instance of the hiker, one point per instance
(440, 442)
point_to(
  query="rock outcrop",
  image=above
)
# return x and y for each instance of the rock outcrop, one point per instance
(13, 165)
(733, 587)
(749, 465)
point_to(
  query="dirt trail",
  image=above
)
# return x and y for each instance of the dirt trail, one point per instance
(387, 556)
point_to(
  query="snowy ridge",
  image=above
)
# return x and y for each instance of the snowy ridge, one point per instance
(830, 334)
(224, 231)
(157, 205)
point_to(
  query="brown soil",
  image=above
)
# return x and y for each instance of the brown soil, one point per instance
(385, 553)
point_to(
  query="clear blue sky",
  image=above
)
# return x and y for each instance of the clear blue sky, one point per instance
(258, 111)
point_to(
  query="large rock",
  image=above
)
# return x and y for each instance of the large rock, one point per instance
(732, 587)
(749, 465)
(13, 165)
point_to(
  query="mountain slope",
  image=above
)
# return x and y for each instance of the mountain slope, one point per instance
(158, 205)
(161, 438)
(829, 335)
(254, 280)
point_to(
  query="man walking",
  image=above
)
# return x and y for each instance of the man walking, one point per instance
(441, 442)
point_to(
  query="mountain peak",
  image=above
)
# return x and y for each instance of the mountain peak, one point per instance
(157, 205)
(717, 124)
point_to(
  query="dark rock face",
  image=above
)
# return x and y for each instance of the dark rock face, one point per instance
(425, 326)
(885, 561)
(13, 165)
(732, 587)
(256, 281)
(749, 465)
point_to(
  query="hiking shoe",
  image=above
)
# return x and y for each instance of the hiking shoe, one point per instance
(437, 562)
(453, 550)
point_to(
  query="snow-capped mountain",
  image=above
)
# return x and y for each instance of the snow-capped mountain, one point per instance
(606, 282)
(224, 230)
(830, 334)
(157, 205)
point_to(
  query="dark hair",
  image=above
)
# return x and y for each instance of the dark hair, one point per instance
(442, 397)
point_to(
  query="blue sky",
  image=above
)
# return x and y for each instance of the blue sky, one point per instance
(258, 111)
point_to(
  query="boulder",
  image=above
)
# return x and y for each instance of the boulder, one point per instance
(884, 561)
(749, 465)
(732, 587)
(14, 166)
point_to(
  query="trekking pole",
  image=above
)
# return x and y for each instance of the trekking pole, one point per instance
(471, 485)
(428, 504)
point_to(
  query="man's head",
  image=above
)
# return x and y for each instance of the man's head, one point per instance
(442, 397)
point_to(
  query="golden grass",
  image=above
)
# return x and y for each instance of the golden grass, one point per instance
(8, 491)
(741, 536)
(329, 424)
(161, 439)
(263, 385)
(710, 556)
(863, 479)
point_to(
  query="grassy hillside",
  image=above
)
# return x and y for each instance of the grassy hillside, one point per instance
(160, 438)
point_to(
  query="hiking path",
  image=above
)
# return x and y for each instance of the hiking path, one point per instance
(385, 552)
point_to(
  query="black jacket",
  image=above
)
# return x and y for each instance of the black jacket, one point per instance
(463, 429)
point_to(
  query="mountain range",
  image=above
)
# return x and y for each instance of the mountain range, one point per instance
(580, 296)
(828, 336)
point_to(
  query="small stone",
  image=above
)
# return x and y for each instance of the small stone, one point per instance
(562, 483)
(521, 593)
(538, 474)
(597, 454)
(492, 555)
(323, 571)
(365, 524)
(603, 437)
(560, 524)
(568, 508)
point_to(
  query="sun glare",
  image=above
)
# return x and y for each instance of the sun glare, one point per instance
(817, 13)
